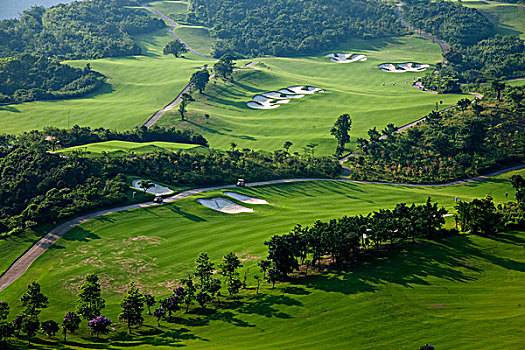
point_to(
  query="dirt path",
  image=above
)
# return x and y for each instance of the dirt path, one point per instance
(23, 262)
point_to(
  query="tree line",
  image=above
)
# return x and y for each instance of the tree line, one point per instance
(38, 187)
(464, 141)
(290, 27)
(29, 77)
(80, 29)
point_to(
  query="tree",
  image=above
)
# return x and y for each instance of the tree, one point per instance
(30, 326)
(17, 323)
(99, 325)
(199, 79)
(270, 272)
(258, 280)
(6, 330)
(230, 265)
(90, 301)
(203, 269)
(175, 47)
(203, 297)
(184, 102)
(224, 66)
(132, 307)
(190, 289)
(149, 300)
(518, 183)
(50, 328)
(463, 103)
(145, 185)
(33, 300)
(4, 311)
(159, 313)
(340, 131)
(497, 86)
(287, 146)
(70, 324)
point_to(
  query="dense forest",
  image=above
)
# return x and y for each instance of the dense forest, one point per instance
(81, 29)
(288, 27)
(38, 187)
(458, 143)
(476, 53)
(34, 77)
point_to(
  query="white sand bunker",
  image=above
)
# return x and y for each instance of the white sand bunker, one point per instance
(273, 99)
(346, 57)
(156, 189)
(224, 205)
(244, 198)
(403, 67)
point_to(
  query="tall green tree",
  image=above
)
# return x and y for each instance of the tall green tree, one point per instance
(33, 300)
(199, 79)
(229, 269)
(340, 131)
(224, 67)
(175, 48)
(498, 87)
(50, 328)
(90, 301)
(132, 307)
(203, 269)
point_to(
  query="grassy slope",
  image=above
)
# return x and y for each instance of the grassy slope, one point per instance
(355, 88)
(508, 19)
(139, 86)
(448, 296)
(137, 147)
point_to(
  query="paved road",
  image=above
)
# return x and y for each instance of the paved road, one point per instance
(173, 26)
(503, 3)
(23, 262)
(444, 46)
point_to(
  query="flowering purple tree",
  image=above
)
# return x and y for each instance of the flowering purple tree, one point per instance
(99, 325)
(159, 313)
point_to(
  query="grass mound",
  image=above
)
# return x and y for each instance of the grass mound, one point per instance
(121, 147)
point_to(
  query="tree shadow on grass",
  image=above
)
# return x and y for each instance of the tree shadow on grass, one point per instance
(184, 214)
(214, 131)
(9, 108)
(448, 259)
(508, 238)
(152, 336)
(80, 234)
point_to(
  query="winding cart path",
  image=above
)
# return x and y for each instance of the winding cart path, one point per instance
(25, 260)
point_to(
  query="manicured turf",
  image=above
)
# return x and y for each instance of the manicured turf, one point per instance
(508, 19)
(453, 295)
(115, 147)
(137, 87)
(198, 38)
(516, 82)
(355, 88)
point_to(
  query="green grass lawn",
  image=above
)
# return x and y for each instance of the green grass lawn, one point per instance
(136, 87)
(355, 88)
(508, 19)
(516, 82)
(452, 294)
(198, 38)
(119, 147)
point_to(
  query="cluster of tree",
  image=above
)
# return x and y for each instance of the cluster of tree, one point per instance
(340, 241)
(340, 131)
(30, 77)
(495, 57)
(81, 29)
(38, 187)
(476, 53)
(440, 82)
(450, 21)
(201, 287)
(453, 144)
(81, 135)
(288, 27)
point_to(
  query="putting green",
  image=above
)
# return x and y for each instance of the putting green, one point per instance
(115, 147)
(356, 89)
(157, 246)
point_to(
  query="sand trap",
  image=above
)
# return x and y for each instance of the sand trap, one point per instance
(403, 67)
(272, 99)
(244, 198)
(346, 57)
(224, 205)
(157, 189)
